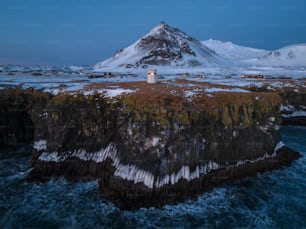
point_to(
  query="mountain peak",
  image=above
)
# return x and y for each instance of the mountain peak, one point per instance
(162, 29)
(163, 25)
(165, 46)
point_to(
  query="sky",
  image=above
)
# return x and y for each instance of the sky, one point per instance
(84, 32)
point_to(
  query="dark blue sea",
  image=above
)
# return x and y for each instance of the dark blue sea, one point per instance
(272, 200)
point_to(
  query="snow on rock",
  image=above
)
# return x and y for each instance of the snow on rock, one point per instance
(278, 146)
(299, 113)
(40, 144)
(117, 92)
(127, 172)
(110, 92)
(289, 111)
(190, 94)
(216, 89)
(133, 173)
(287, 108)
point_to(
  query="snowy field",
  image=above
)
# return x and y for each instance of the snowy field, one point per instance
(79, 79)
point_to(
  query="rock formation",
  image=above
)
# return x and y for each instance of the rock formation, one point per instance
(293, 107)
(152, 147)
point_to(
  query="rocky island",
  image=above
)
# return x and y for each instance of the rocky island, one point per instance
(154, 145)
(200, 126)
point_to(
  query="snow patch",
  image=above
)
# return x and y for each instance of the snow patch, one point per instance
(132, 173)
(155, 141)
(278, 146)
(215, 89)
(118, 91)
(190, 94)
(290, 111)
(294, 114)
(287, 108)
(110, 92)
(40, 145)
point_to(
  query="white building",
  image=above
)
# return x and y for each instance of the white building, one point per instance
(151, 76)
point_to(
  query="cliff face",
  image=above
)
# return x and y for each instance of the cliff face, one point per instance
(16, 126)
(293, 107)
(152, 146)
(293, 94)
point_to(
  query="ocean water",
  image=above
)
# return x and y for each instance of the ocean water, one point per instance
(271, 200)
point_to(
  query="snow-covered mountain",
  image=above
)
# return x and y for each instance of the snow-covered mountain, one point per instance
(170, 47)
(164, 46)
(232, 51)
(289, 56)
